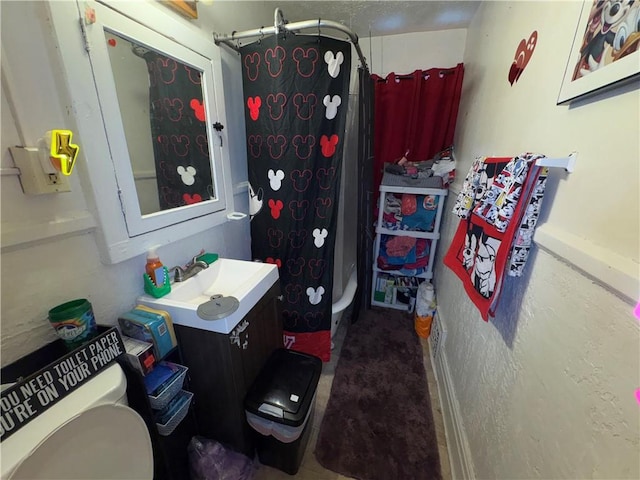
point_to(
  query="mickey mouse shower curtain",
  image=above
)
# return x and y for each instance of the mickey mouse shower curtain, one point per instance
(296, 92)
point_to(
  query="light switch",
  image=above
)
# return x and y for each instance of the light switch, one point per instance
(34, 179)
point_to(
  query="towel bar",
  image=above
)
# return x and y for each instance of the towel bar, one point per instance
(568, 163)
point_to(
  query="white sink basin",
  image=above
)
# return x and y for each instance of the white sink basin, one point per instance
(246, 281)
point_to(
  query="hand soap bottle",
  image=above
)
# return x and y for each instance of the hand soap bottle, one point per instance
(155, 268)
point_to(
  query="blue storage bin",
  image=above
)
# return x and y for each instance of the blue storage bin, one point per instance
(162, 399)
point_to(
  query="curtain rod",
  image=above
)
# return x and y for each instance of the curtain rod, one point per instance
(409, 76)
(281, 25)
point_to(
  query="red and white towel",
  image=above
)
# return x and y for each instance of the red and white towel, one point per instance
(499, 205)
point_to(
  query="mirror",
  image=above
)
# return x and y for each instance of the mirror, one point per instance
(163, 115)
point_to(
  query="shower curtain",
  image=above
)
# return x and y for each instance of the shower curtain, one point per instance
(415, 115)
(366, 192)
(295, 91)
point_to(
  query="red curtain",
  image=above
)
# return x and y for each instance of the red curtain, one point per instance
(414, 115)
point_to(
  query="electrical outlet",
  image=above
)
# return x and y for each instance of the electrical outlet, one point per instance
(33, 178)
(54, 178)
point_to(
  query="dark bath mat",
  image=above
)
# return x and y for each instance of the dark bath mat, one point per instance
(378, 423)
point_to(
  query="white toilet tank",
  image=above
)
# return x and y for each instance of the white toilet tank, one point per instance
(89, 434)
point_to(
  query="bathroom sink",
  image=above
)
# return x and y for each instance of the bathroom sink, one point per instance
(244, 280)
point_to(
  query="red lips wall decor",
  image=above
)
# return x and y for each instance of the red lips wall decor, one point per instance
(523, 55)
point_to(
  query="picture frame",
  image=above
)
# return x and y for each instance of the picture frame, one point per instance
(187, 8)
(605, 52)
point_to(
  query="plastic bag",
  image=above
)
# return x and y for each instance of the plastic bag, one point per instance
(210, 460)
(445, 169)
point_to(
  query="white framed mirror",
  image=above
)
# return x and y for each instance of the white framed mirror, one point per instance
(145, 105)
(164, 120)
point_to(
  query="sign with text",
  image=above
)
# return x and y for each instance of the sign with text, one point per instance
(31, 396)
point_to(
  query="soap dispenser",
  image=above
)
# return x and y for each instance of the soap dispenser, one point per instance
(156, 276)
(155, 268)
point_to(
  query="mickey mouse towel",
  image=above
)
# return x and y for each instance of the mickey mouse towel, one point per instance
(296, 94)
(499, 205)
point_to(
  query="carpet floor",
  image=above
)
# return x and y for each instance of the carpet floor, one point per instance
(378, 423)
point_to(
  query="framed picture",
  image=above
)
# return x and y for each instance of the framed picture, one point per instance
(605, 49)
(186, 8)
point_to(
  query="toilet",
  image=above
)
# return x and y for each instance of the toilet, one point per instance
(89, 434)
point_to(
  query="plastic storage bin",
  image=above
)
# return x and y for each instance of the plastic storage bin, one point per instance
(163, 398)
(280, 406)
(184, 399)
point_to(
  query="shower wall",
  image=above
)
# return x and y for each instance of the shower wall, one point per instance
(346, 232)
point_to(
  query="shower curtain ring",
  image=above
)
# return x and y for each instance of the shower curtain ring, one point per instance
(261, 35)
(319, 30)
(233, 34)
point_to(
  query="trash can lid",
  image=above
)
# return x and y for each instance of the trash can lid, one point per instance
(285, 387)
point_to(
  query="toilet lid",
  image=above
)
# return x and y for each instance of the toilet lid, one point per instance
(108, 441)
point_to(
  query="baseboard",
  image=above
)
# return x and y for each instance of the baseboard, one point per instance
(457, 444)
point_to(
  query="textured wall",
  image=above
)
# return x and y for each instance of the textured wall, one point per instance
(546, 389)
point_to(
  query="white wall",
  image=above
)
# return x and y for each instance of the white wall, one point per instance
(40, 270)
(408, 52)
(546, 389)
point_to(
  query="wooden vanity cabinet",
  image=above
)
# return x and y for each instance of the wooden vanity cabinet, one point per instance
(222, 367)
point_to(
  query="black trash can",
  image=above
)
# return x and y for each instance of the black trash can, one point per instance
(280, 406)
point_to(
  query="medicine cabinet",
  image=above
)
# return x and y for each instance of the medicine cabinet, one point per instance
(147, 96)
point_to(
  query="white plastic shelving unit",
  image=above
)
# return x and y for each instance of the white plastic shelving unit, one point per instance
(387, 284)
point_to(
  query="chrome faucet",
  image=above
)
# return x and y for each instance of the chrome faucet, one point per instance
(189, 270)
